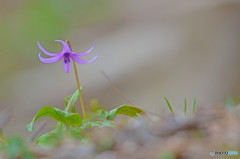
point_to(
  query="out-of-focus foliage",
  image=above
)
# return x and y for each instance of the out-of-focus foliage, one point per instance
(231, 102)
(15, 148)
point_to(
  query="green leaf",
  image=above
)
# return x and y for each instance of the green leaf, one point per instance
(49, 139)
(125, 110)
(72, 110)
(101, 114)
(98, 124)
(71, 100)
(107, 123)
(69, 119)
(52, 138)
(77, 133)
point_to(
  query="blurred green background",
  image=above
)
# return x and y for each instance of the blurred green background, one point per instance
(149, 49)
(23, 23)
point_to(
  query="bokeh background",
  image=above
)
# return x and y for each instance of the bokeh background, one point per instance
(149, 49)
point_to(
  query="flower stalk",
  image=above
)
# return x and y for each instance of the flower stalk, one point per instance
(67, 55)
(78, 86)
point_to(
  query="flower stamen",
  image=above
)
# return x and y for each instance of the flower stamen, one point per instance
(66, 57)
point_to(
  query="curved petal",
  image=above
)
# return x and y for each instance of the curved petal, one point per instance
(84, 53)
(96, 56)
(46, 52)
(50, 60)
(66, 66)
(78, 60)
(66, 47)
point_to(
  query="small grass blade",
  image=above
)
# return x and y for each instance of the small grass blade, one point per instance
(230, 104)
(71, 100)
(169, 105)
(194, 105)
(185, 107)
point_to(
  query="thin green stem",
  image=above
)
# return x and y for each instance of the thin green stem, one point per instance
(185, 107)
(194, 105)
(78, 86)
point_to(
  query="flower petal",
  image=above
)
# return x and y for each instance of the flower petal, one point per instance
(50, 60)
(46, 52)
(66, 66)
(84, 53)
(78, 60)
(66, 47)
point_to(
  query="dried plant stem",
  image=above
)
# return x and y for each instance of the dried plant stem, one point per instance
(2, 136)
(79, 90)
(116, 90)
(38, 129)
(4, 117)
(78, 85)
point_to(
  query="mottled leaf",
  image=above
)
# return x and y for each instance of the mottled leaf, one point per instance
(69, 119)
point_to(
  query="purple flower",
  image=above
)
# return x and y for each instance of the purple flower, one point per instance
(66, 54)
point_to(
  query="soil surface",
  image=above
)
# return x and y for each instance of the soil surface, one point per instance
(167, 136)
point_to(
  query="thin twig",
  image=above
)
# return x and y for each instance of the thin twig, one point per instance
(37, 130)
(4, 117)
(116, 90)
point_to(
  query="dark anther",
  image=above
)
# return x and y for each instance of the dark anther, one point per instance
(66, 58)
